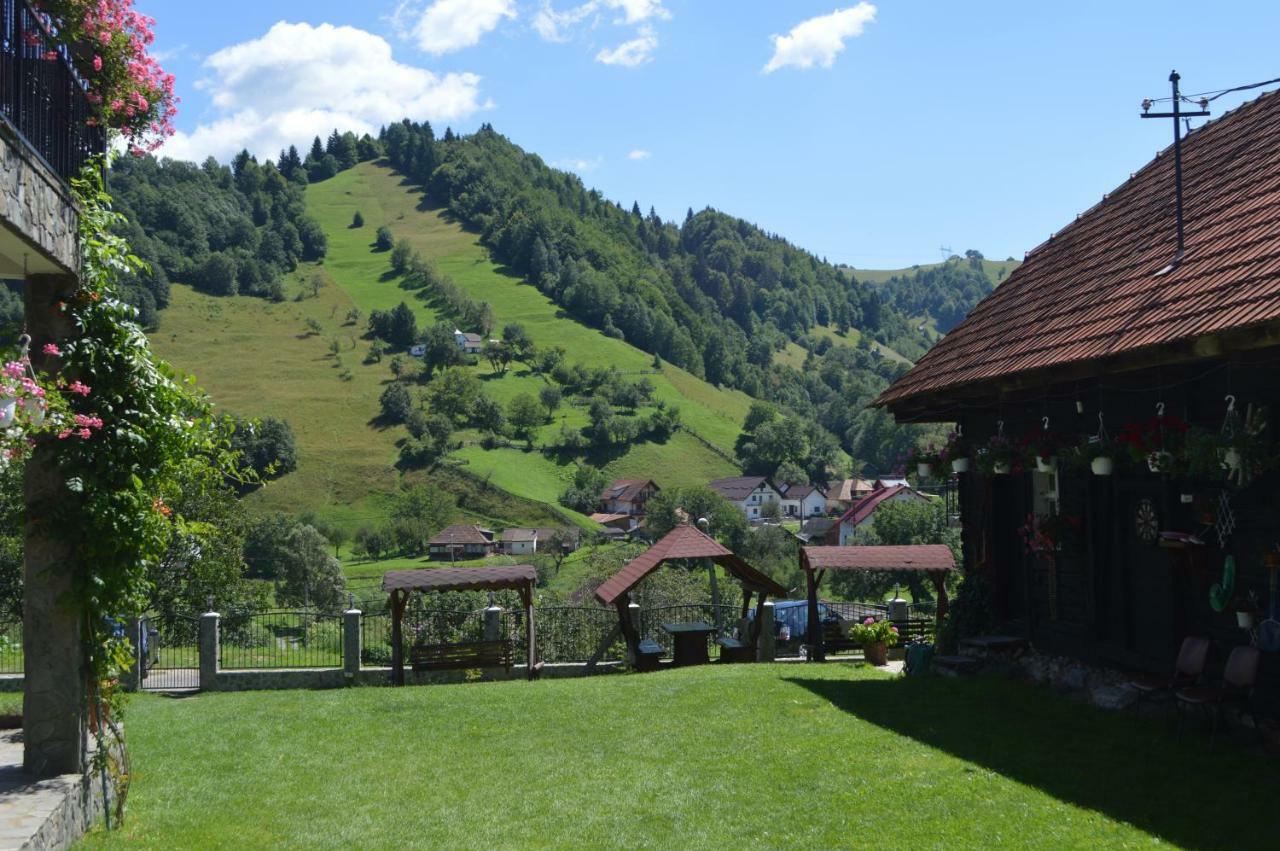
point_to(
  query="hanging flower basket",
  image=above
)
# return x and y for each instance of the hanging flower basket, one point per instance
(957, 452)
(8, 410)
(1001, 468)
(925, 459)
(1046, 465)
(1156, 442)
(1160, 462)
(1102, 465)
(997, 457)
(960, 465)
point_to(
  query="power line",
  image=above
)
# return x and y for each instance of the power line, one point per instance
(1214, 94)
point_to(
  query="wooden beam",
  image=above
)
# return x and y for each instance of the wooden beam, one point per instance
(628, 630)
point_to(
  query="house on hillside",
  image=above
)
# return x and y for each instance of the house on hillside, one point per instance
(802, 501)
(749, 493)
(627, 496)
(862, 514)
(1109, 330)
(461, 541)
(843, 494)
(471, 344)
(621, 522)
(814, 532)
(569, 538)
(518, 542)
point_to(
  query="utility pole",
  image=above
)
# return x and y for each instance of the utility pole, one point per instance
(1177, 115)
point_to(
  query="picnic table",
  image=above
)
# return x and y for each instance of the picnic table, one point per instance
(690, 641)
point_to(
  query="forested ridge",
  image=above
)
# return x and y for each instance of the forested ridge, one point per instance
(713, 294)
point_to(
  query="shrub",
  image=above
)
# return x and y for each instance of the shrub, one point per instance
(384, 240)
(357, 221)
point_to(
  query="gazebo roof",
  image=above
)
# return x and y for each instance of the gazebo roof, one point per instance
(915, 557)
(516, 577)
(684, 542)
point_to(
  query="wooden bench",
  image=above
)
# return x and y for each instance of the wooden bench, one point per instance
(834, 641)
(469, 654)
(735, 650)
(648, 652)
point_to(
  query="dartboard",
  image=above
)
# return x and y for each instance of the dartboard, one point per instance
(1146, 523)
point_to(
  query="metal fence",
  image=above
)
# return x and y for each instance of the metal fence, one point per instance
(42, 95)
(171, 645)
(280, 639)
(11, 659)
(652, 619)
(565, 633)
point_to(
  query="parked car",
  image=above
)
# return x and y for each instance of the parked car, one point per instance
(791, 620)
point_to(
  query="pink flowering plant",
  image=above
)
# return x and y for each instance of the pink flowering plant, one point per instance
(872, 631)
(34, 406)
(109, 43)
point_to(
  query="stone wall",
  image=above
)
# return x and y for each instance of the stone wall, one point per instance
(35, 204)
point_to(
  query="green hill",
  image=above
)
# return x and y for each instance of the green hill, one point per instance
(996, 270)
(260, 358)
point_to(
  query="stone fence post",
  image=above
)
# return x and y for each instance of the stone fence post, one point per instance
(766, 646)
(351, 643)
(493, 623)
(209, 651)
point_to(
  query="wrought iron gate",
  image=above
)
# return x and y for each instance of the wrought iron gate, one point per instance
(171, 648)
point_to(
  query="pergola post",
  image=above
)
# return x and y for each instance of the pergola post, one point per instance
(622, 604)
(531, 655)
(55, 667)
(398, 600)
(940, 585)
(813, 634)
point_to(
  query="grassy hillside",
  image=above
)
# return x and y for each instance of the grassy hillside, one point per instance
(992, 268)
(260, 358)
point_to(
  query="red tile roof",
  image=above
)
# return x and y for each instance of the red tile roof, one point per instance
(1091, 291)
(865, 507)
(928, 557)
(683, 542)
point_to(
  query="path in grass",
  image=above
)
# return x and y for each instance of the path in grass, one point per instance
(713, 757)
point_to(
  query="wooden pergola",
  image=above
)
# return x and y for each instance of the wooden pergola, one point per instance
(934, 560)
(401, 583)
(684, 543)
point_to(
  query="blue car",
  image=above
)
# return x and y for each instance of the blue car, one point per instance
(791, 620)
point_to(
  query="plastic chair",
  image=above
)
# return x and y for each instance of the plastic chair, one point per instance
(1187, 670)
(1238, 679)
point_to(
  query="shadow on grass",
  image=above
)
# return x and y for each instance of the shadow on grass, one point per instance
(1129, 769)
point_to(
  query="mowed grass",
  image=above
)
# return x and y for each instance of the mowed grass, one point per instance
(256, 358)
(786, 755)
(382, 197)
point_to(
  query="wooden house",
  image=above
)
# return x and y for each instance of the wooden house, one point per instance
(1106, 331)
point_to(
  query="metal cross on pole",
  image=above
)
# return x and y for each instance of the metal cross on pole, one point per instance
(1177, 115)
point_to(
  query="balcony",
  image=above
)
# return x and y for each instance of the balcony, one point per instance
(47, 134)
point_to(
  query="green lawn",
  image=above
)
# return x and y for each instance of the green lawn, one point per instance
(785, 755)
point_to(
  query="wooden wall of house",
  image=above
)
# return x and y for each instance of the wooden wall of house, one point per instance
(1113, 597)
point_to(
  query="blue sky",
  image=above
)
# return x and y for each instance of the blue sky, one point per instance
(871, 134)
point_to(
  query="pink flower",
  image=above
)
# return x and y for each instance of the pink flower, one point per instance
(97, 63)
(14, 369)
(78, 388)
(52, 350)
(870, 620)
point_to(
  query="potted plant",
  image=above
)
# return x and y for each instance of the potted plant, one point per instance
(1157, 442)
(1042, 450)
(925, 460)
(957, 452)
(1049, 533)
(876, 637)
(997, 456)
(1098, 453)
(1247, 611)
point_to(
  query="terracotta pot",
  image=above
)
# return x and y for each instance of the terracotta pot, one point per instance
(960, 465)
(1101, 466)
(877, 653)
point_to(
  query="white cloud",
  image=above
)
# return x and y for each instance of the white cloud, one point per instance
(449, 25)
(561, 26)
(637, 51)
(579, 165)
(639, 154)
(819, 40)
(298, 81)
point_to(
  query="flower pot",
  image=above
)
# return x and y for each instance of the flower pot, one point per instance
(960, 465)
(1101, 466)
(1186, 498)
(1001, 468)
(1046, 465)
(1230, 459)
(1159, 462)
(876, 653)
(8, 408)
(1246, 620)
(35, 412)
(924, 469)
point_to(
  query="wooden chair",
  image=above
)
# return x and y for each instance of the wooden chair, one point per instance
(1238, 679)
(1187, 670)
(453, 657)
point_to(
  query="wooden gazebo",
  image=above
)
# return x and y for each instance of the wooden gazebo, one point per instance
(680, 544)
(401, 583)
(934, 560)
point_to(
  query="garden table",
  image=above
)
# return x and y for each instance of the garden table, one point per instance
(690, 642)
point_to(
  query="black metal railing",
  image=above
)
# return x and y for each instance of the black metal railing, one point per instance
(42, 95)
(281, 639)
(11, 658)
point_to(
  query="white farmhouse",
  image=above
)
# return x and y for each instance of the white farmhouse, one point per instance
(750, 493)
(470, 344)
(802, 501)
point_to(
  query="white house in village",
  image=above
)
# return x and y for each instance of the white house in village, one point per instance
(862, 514)
(802, 501)
(750, 493)
(518, 542)
(470, 344)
